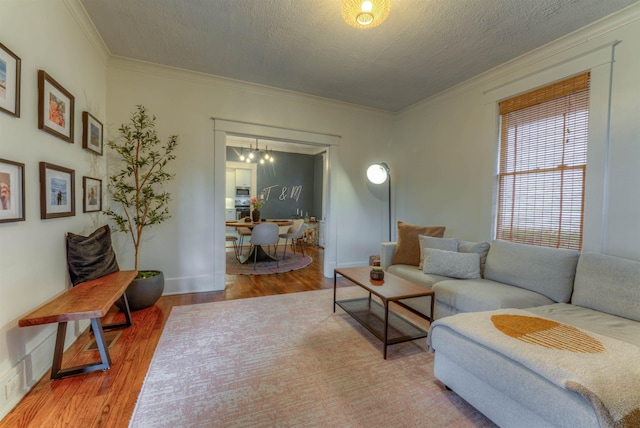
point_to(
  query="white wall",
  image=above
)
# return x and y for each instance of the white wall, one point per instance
(450, 141)
(443, 169)
(49, 35)
(184, 103)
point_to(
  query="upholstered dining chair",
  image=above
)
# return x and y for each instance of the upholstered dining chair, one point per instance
(294, 233)
(264, 234)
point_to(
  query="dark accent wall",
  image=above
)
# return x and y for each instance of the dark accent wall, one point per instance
(292, 184)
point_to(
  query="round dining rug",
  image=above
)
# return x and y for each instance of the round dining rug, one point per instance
(291, 262)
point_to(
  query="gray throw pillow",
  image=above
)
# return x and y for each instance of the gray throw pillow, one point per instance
(452, 264)
(447, 244)
(90, 257)
(481, 248)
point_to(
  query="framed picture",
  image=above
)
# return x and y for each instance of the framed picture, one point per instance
(57, 191)
(91, 133)
(91, 194)
(55, 108)
(11, 191)
(9, 82)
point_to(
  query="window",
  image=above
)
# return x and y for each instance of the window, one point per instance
(543, 162)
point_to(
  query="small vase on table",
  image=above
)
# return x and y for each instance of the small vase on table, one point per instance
(255, 216)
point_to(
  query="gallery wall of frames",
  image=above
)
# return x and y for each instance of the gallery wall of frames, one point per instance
(56, 116)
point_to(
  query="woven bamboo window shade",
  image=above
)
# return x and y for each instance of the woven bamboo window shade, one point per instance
(543, 161)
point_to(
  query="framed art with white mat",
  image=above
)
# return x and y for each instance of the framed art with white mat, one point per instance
(91, 133)
(55, 108)
(11, 191)
(9, 81)
(91, 195)
(57, 191)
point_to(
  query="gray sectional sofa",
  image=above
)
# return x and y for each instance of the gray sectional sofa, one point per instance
(514, 276)
(589, 294)
(512, 392)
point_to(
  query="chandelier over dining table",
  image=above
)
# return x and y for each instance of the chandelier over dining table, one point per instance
(257, 155)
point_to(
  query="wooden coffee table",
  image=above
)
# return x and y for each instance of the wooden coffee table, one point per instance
(385, 324)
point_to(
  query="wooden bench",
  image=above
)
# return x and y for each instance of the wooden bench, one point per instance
(87, 300)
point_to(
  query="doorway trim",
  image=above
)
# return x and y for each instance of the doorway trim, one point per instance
(224, 127)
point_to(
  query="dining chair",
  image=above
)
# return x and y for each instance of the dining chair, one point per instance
(264, 234)
(242, 232)
(234, 240)
(294, 233)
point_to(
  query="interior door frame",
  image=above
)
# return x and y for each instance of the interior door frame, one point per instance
(224, 127)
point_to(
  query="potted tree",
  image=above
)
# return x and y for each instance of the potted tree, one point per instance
(138, 190)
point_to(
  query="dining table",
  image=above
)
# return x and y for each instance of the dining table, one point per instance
(256, 250)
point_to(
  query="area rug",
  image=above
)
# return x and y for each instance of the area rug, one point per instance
(290, 262)
(289, 361)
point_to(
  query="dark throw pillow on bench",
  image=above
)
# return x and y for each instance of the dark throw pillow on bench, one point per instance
(90, 257)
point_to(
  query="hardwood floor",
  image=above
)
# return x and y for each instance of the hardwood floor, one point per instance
(107, 399)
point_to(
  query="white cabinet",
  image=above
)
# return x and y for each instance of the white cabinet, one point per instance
(230, 183)
(243, 177)
(230, 214)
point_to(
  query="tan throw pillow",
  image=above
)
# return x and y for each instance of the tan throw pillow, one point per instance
(408, 249)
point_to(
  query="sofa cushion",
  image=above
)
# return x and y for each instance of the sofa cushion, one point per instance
(451, 263)
(447, 244)
(408, 250)
(415, 275)
(548, 271)
(608, 284)
(473, 295)
(591, 320)
(481, 248)
(90, 257)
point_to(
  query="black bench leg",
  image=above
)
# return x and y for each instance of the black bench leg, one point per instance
(58, 350)
(127, 316)
(102, 344)
(105, 360)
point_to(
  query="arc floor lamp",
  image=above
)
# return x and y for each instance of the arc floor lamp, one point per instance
(378, 173)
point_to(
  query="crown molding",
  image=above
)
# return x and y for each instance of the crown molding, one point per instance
(128, 64)
(80, 15)
(585, 39)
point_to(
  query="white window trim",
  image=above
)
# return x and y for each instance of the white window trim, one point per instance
(599, 61)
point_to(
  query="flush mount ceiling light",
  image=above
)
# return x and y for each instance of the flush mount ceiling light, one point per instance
(365, 13)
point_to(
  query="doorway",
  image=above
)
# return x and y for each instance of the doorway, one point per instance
(224, 129)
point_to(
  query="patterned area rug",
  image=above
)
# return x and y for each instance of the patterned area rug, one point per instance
(291, 262)
(288, 360)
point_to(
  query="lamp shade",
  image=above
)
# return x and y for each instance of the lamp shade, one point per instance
(365, 13)
(378, 173)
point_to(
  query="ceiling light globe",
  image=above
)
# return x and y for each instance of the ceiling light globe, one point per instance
(364, 18)
(271, 159)
(365, 14)
(377, 173)
(242, 157)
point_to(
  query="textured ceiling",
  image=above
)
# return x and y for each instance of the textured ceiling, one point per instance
(424, 47)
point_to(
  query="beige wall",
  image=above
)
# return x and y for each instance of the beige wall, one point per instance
(47, 35)
(186, 247)
(449, 142)
(441, 152)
